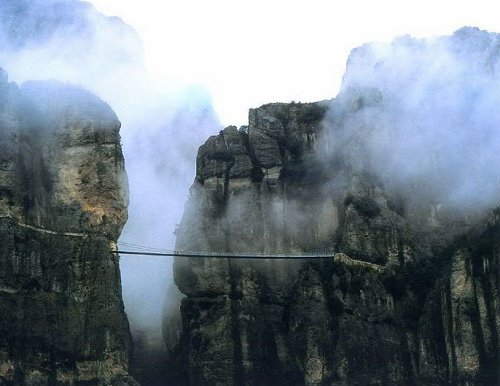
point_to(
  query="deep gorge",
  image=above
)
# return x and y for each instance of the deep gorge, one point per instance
(396, 175)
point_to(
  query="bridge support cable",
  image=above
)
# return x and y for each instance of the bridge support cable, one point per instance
(321, 252)
(231, 255)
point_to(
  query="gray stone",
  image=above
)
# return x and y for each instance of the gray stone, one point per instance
(387, 311)
(63, 203)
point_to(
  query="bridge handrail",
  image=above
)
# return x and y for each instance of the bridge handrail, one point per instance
(232, 255)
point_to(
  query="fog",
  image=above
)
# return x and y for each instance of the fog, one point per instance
(428, 125)
(424, 115)
(249, 53)
(162, 126)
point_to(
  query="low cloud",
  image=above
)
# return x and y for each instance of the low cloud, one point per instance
(70, 41)
(423, 115)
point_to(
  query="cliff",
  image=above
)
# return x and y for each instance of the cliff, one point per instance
(412, 294)
(63, 203)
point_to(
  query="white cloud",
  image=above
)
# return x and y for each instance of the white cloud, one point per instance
(251, 52)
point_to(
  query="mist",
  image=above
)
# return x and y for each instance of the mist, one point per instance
(423, 116)
(162, 125)
(420, 113)
(418, 118)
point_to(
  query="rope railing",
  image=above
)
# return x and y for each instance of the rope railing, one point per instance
(337, 257)
(323, 252)
(231, 255)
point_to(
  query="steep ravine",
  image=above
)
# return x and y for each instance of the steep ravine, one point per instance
(63, 203)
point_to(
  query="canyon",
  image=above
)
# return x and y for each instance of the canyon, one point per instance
(392, 179)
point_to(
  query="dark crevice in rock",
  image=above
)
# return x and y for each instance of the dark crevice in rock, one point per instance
(238, 375)
(256, 174)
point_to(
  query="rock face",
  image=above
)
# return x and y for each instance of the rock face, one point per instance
(263, 322)
(63, 203)
(411, 296)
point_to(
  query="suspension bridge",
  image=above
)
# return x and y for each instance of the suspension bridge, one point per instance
(324, 252)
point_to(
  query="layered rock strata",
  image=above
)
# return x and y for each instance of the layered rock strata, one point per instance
(63, 203)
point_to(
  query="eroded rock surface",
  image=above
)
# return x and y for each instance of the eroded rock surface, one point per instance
(411, 296)
(387, 311)
(262, 322)
(63, 203)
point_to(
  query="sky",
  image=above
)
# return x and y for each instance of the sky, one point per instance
(247, 53)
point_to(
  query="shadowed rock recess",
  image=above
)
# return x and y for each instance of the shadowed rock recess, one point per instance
(63, 203)
(411, 298)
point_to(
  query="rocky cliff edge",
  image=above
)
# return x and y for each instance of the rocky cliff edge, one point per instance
(63, 203)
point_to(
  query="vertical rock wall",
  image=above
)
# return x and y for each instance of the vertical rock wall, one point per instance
(404, 303)
(63, 203)
(264, 188)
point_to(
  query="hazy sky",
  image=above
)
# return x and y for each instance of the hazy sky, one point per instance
(247, 53)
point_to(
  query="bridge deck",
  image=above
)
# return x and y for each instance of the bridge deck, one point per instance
(231, 255)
